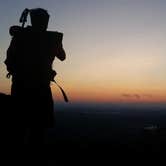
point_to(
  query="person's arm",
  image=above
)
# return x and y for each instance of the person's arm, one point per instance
(61, 53)
(56, 48)
(9, 61)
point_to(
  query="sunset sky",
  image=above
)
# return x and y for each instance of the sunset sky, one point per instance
(116, 49)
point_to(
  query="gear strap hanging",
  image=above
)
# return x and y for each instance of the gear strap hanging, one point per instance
(63, 92)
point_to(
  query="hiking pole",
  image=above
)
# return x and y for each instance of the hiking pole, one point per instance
(23, 18)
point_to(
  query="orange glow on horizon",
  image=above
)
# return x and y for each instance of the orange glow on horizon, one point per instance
(103, 94)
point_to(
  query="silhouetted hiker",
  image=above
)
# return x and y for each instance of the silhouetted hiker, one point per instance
(29, 61)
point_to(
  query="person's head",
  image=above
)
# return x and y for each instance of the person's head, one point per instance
(39, 19)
